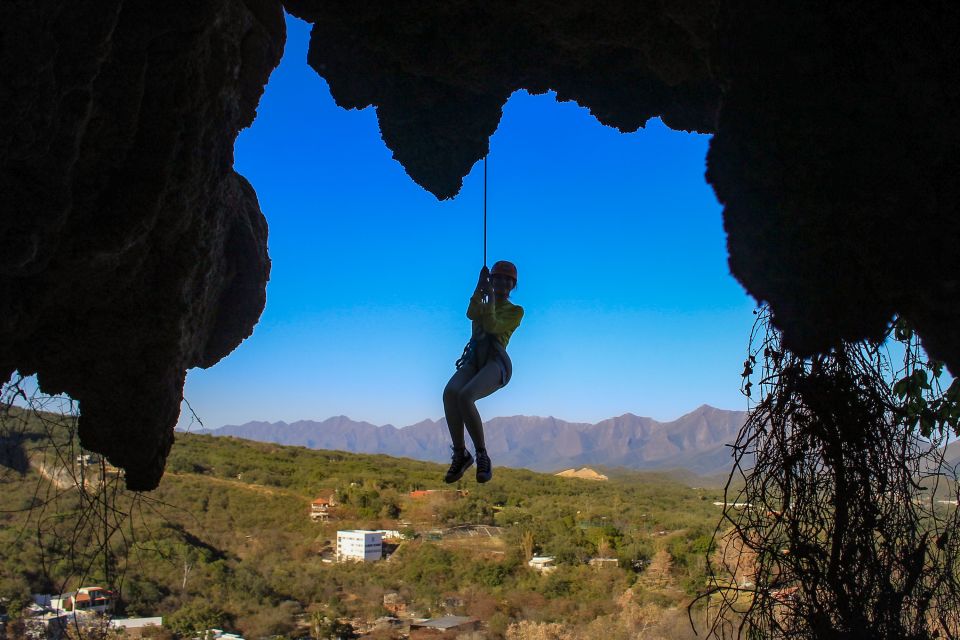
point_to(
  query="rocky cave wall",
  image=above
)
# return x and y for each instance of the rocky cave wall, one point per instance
(131, 251)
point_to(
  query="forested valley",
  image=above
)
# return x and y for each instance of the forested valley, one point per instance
(227, 541)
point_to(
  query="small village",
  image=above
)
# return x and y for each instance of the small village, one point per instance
(89, 610)
(87, 613)
(260, 542)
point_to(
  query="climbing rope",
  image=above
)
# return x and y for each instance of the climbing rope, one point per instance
(484, 210)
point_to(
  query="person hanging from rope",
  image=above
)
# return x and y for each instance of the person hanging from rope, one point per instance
(483, 368)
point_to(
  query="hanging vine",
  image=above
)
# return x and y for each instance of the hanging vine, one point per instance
(841, 516)
(85, 526)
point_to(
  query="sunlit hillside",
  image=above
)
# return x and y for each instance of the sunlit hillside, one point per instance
(228, 540)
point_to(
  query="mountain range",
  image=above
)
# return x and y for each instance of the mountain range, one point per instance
(697, 441)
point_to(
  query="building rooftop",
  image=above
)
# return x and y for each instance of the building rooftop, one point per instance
(358, 531)
(136, 623)
(446, 622)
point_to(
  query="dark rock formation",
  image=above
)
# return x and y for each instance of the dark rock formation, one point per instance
(131, 251)
(836, 161)
(438, 72)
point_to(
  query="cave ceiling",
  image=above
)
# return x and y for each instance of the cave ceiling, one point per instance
(132, 251)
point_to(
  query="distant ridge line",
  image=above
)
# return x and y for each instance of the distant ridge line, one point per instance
(695, 441)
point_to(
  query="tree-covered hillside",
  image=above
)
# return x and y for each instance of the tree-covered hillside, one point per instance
(227, 537)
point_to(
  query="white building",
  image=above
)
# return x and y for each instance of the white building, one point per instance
(85, 599)
(604, 562)
(543, 564)
(136, 627)
(390, 534)
(359, 545)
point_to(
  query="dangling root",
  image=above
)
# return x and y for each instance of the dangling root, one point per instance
(844, 526)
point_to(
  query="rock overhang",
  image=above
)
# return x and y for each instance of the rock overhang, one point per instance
(132, 252)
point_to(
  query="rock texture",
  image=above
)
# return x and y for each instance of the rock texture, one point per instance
(836, 161)
(131, 251)
(439, 71)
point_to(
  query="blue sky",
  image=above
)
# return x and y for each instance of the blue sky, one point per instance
(618, 239)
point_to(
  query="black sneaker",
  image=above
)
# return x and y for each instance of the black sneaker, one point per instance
(461, 462)
(484, 469)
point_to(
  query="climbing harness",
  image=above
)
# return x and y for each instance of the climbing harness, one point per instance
(469, 355)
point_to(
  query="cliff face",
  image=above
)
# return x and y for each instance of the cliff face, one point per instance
(131, 251)
(438, 72)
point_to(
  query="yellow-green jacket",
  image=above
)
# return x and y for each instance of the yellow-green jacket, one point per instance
(493, 324)
(500, 319)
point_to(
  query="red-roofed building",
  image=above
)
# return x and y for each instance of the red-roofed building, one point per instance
(320, 508)
(89, 599)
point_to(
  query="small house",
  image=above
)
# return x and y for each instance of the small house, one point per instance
(320, 509)
(445, 628)
(604, 562)
(93, 599)
(134, 627)
(543, 564)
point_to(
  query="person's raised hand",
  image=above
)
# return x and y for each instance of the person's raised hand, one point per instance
(483, 282)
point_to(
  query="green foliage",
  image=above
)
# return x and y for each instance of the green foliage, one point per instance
(194, 619)
(327, 629)
(272, 622)
(14, 605)
(476, 509)
(925, 405)
(225, 540)
(491, 574)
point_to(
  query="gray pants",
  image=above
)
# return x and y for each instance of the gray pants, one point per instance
(466, 386)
